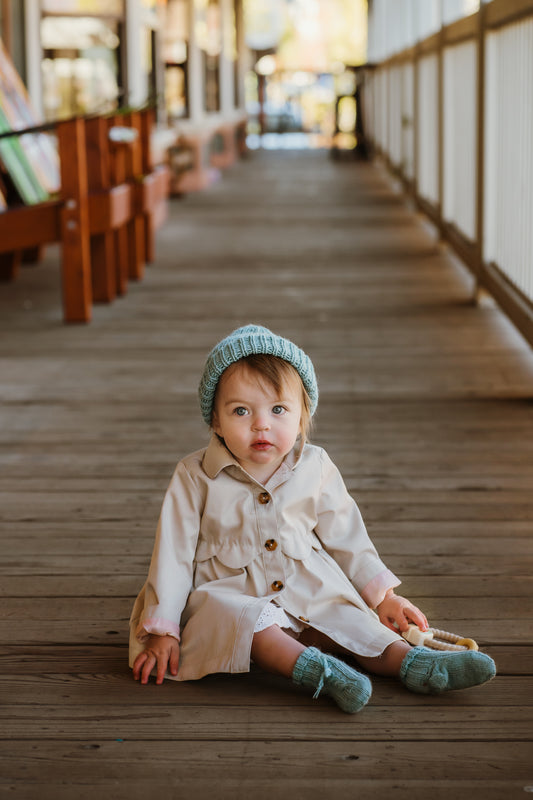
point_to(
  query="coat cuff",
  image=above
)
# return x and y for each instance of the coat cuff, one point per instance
(158, 627)
(375, 591)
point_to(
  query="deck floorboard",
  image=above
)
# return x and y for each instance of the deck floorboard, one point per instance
(426, 405)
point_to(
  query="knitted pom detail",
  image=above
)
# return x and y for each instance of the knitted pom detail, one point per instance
(433, 672)
(347, 687)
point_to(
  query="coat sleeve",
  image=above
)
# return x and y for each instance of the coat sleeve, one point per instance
(343, 535)
(170, 577)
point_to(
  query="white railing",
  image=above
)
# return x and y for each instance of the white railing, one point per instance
(460, 138)
(453, 116)
(407, 115)
(427, 126)
(508, 217)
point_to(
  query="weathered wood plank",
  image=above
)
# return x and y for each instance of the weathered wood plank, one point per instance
(42, 564)
(426, 408)
(463, 505)
(314, 788)
(28, 545)
(318, 721)
(107, 628)
(127, 585)
(36, 659)
(515, 609)
(118, 687)
(144, 529)
(334, 762)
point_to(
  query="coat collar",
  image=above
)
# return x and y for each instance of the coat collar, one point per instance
(217, 457)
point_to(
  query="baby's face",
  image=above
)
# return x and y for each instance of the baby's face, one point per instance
(258, 425)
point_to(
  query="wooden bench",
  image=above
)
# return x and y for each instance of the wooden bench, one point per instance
(110, 203)
(202, 151)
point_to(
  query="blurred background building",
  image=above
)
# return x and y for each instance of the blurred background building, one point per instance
(439, 89)
(282, 62)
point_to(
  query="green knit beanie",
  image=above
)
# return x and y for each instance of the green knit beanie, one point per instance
(253, 340)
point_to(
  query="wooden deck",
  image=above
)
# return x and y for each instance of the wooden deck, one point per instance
(426, 406)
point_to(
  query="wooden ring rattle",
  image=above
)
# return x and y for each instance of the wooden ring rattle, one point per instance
(436, 639)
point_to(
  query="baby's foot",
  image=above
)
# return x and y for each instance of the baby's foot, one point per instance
(432, 672)
(350, 690)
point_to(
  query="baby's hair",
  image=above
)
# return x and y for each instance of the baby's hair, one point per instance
(279, 373)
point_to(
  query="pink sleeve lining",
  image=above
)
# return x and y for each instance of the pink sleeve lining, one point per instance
(159, 627)
(377, 588)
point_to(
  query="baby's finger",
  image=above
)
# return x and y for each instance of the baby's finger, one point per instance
(403, 621)
(137, 666)
(174, 662)
(415, 615)
(149, 664)
(161, 670)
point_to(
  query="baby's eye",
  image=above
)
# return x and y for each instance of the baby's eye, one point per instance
(240, 411)
(278, 410)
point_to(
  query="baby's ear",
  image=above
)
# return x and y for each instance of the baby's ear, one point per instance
(215, 426)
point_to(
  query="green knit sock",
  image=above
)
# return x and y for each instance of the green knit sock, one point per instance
(350, 690)
(432, 672)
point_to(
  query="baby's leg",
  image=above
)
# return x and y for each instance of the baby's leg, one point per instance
(420, 669)
(429, 671)
(388, 663)
(277, 652)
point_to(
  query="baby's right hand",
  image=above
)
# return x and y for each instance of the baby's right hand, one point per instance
(161, 650)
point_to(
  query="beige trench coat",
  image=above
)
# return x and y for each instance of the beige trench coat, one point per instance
(227, 545)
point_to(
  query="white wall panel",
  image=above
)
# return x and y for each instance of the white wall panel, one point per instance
(508, 208)
(459, 140)
(427, 129)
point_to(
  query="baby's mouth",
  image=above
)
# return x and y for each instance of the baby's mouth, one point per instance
(261, 444)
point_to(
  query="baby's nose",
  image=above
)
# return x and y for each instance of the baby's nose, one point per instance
(260, 423)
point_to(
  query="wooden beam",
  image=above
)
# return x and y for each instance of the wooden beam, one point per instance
(461, 30)
(517, 307)
(7, 26)
(104, 283)
(29, 226)
(504, 12)
(76, 257)
(480, 139)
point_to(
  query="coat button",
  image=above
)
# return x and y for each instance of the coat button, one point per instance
(277, 586)
(303, 619)
(271, 544)
(264, 498)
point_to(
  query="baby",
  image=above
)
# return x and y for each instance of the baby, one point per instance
(261, 554)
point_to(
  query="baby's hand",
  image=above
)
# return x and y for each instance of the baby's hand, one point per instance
(396, 613)
(161, 650)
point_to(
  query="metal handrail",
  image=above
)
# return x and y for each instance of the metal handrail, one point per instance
(46, 127)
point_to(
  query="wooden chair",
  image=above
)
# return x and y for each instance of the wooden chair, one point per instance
(110, 204)
(65, 219)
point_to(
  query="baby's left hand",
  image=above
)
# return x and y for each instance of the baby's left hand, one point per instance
(396, 613)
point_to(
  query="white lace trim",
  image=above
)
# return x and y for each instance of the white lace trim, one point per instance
(272, 614)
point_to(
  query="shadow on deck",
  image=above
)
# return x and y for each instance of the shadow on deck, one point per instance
(426, 406)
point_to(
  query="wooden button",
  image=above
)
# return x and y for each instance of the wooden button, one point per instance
(277, 586)
(264, 498)
(271, 544)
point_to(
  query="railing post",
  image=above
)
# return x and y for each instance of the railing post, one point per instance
(136, 232)
(440, 129)
(147, 121)
(76, 261)
(416, 111)
(118, 176)
(480, 136)
(104, 279)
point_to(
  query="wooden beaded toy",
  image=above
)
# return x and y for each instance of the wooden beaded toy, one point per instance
(437, 640)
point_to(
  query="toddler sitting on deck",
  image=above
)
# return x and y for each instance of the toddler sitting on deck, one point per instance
(262, 554)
